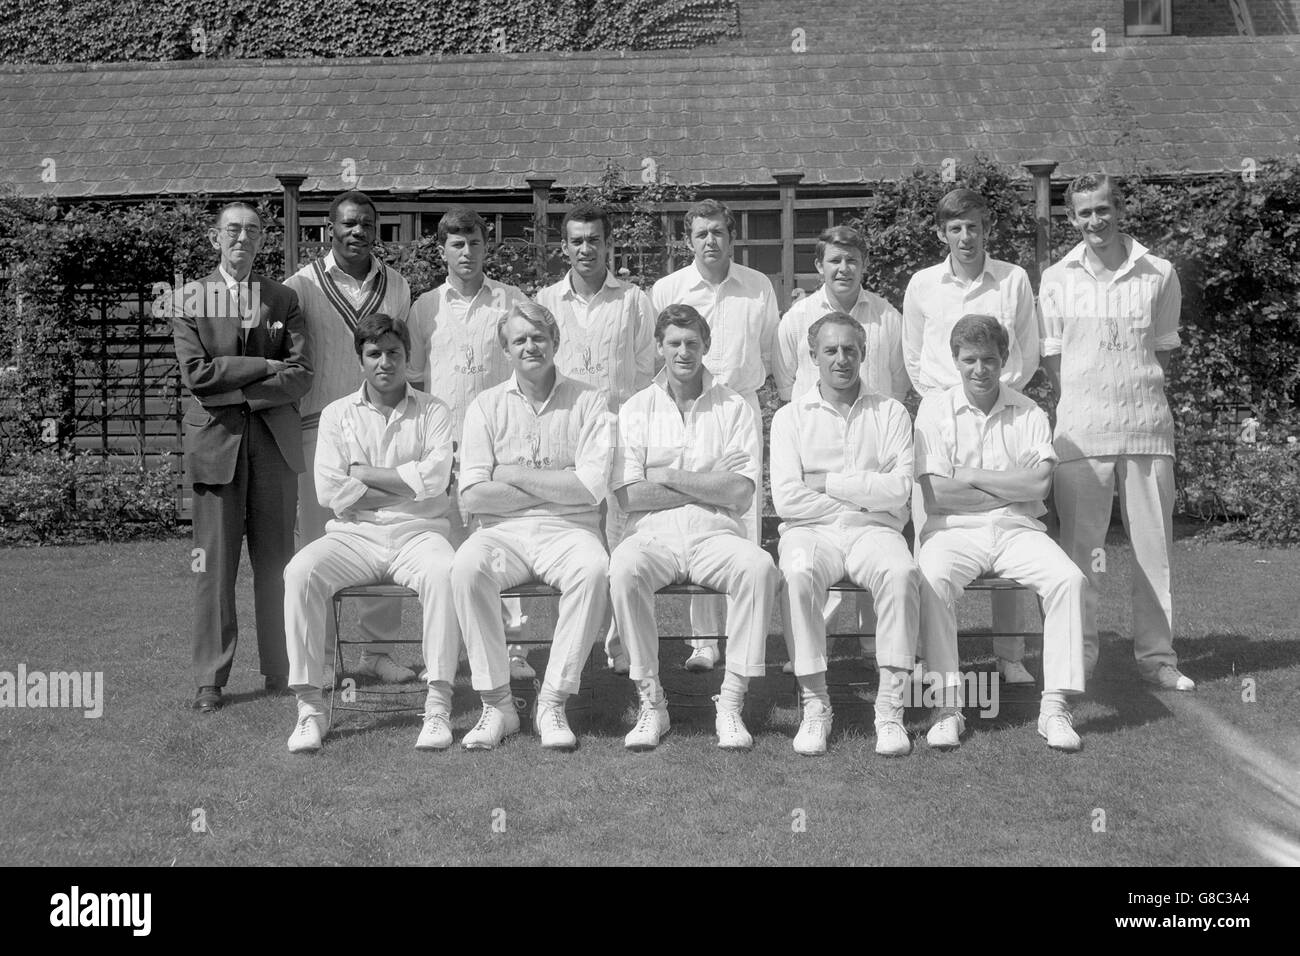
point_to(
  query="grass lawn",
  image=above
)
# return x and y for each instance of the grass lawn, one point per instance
(1178, 780)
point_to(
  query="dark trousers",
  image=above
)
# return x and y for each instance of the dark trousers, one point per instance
(260, 501)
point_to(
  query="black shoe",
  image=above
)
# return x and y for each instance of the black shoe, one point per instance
(208, 700)
(276, 685)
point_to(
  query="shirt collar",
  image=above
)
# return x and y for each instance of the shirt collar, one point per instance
(448, 291)
(701, 280)
(661, 379)
(570, 292)
(961, 402)
(813, 397)
(331, 265)
(1078, 258)
(512, 385)
(832, 307)
(231, 281)
(359, 397)
(950, 276)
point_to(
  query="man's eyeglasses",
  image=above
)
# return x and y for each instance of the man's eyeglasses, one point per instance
(233, 232)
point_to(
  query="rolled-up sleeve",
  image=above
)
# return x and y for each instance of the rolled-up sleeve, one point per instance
(592, 457)
(428, 477)
(1168, 308)
(1037, 440)
(1051, 311)
(335, 451)
(477, 454)
(629, 450)
(933, 452)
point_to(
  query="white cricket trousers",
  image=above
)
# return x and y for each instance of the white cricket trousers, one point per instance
(380, 620)
(740, 569)
(1085, 490)
(953, 557)
(873, 557)
(418, 558)
(1007, 607)
(555, 550)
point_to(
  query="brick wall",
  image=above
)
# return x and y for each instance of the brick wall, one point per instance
(766, 25)
(1201, 18)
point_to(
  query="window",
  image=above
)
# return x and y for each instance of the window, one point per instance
(1146, 17)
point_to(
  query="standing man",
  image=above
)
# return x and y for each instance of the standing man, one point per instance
(984, 463)
(684, 471)
(1110, 320)
(535, 461)
(841, 479)
(739, 305)
(243, 355)
(970, 281)
(383, 459)
(337, 291)
(607, 336)
(456, 357)
(841, 257)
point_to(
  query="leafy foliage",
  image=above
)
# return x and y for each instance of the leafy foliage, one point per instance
(81, 31)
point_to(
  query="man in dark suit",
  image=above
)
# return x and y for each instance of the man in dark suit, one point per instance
(242, 347)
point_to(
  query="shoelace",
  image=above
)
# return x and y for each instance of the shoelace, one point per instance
(483, 721)
(648, 718)
(733, 723)
(554, 716)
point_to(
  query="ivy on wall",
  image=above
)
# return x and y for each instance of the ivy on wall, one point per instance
(86, 31)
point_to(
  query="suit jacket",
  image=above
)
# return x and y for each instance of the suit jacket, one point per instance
(226, 384)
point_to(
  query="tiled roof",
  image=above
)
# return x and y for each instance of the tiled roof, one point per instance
(485, 123)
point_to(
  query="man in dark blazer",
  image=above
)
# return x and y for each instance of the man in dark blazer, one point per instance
(242, 346)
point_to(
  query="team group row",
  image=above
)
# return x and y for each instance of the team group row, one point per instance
(560, 418)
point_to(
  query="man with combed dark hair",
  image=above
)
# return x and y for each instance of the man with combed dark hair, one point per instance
(337, 292)
(243, 353)
(684, 472)
(455, 355)
(535, 459)
(1110, 322)
(383, 459)
(841, 479)
(739, 305)
(969, 281)
(841, 258)
(607, 340)
(984, 462)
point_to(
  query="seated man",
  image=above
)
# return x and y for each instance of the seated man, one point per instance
(684, 473)
(841, 479)
(383, 459)
(984, 461)
(534, 467)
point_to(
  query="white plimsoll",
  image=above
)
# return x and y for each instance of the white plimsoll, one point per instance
(494, 725)
(651, 724)
(308, 733)
(702, 659)
(383, 667)
(732, 734)
(436, 732)
(947, 730)
(814, 729)
(1014, 672)
(553, 725)
(1058, 730)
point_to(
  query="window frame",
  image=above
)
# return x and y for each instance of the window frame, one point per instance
(1162, 29)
